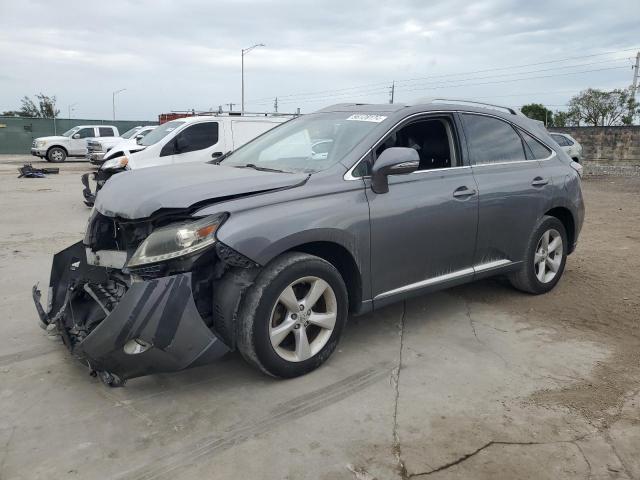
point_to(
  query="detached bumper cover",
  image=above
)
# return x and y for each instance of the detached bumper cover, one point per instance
(99, 177)
(161, 312)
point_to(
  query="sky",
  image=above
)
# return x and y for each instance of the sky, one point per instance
(186, 55)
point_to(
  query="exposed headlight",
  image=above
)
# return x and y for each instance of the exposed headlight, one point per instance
(177, 240)
(41, 143)
(115, 163)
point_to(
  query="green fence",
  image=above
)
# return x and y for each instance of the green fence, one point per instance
(17, 133)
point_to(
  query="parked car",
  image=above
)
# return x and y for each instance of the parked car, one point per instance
(569, 144)
(193, 139)
(98, 148)
(72, 143)
(268, 251)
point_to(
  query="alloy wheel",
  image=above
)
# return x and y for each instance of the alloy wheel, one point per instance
(303, 319)
(548, 256)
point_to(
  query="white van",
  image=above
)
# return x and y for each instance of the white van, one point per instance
(189, 139)
(193, 139)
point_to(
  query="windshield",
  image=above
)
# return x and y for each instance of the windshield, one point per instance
(68, 133)
(160, 132)
(130, 133)
(306, 144)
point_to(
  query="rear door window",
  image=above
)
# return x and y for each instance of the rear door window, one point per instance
(492, 140)
(106, 131)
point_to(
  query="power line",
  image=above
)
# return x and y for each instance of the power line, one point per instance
(259, 100)
(441, 86)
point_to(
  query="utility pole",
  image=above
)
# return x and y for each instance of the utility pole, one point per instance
(634, 84)
(244, 52)
(392, 91)
(231, 106)
(275, 105)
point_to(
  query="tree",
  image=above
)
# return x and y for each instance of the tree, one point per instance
(600, 108)
(46, 107)
(537, 111)
(562, 119)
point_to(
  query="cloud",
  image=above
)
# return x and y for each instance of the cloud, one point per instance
(182, 55)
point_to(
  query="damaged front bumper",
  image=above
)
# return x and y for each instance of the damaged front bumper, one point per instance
(98, 179)
(122, 328)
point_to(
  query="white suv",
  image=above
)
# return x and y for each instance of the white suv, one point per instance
(72, 143)
(569, 144)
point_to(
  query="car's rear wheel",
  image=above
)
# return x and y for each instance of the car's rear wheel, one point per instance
(545, 258)
(293, 315)
(56, 155)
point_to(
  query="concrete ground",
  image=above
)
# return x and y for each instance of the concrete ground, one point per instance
(477, 382)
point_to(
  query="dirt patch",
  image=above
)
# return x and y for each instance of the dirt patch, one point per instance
(597, 300)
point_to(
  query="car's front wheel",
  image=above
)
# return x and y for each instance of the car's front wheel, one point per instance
(293, 315)
(56, 155)
(544, 259)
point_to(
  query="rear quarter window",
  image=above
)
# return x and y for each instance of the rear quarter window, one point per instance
(106, 132)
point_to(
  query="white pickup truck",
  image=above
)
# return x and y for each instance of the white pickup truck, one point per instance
(72, 143)
(98, 147)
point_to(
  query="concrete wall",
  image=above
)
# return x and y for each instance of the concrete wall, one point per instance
(17, 134)
(608, 150)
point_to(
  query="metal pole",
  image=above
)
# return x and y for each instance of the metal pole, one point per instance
(113, 101)
(242, 54)
(392, 91)
(242, 108)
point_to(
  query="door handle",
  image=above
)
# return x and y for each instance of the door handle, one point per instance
(539, 182)
(464, 191)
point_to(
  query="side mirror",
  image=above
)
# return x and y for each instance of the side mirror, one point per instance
(393, 161)
(76, 135)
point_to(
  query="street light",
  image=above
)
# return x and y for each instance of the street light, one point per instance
(71, 109)
(244, 52)
(113, 101)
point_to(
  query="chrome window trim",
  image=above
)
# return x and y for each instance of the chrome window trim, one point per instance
(550, 157)
(481, 267)
(349, 173)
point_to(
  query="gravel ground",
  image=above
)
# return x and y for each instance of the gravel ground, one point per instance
(475, 382)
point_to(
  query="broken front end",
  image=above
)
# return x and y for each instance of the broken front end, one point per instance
(135, 298)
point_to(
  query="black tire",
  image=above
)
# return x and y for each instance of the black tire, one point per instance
(260, 301)
(526, 278)
(56, 155)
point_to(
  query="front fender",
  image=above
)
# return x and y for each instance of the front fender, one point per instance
(341, 218)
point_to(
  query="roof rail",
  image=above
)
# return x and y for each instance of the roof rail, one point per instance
(232, 113)
(512, 111)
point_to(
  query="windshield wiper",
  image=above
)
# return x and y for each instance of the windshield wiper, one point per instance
(261, 169)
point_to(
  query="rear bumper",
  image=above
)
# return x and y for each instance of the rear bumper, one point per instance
(160, 312)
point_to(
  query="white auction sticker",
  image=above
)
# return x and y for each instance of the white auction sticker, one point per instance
(361, 117)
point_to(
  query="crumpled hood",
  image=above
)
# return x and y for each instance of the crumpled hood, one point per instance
(137, 194)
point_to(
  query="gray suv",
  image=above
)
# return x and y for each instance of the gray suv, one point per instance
(268, 250)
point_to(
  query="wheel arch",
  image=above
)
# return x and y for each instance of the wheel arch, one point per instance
(566, 217)
(58, 146)
(342, 259)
